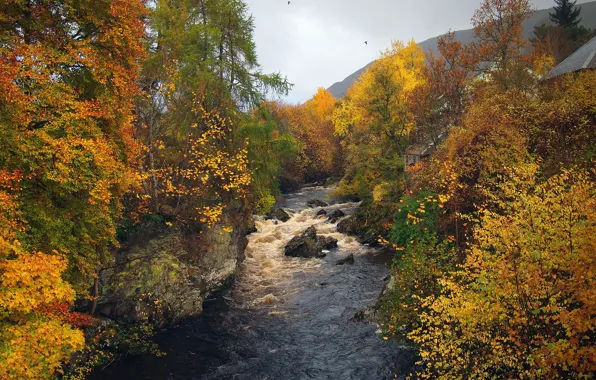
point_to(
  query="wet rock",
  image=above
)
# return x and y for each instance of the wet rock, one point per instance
(308, 244)
(335, 215)
(316, 203)
(346, 260)
(304, 245)
(322, 212)
(348, 226)
(281, 215)
(326, 242)
(251, 228)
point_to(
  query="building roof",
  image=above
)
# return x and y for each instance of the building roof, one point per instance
(582, 59)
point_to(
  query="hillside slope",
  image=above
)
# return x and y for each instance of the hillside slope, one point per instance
(540, 17)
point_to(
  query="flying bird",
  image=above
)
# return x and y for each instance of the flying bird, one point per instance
(366, 42)
(289, 2)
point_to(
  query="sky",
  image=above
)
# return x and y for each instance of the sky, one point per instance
(316, 43)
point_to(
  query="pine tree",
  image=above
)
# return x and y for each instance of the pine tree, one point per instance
(566, 14)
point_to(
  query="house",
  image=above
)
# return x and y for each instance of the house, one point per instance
(583, 58)
(418, 152)
(415, 153)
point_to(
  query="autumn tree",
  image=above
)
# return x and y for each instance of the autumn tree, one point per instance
(522, 305)
(565, 36)
(200, 71)
(69, 71)
(33, 341)
(319, 153)
(441, 101)
(498, 26)
(375, 121)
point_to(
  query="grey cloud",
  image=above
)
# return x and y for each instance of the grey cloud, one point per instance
(318, 42)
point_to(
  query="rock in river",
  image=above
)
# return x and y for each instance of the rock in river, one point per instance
(316, 203)
(281, 215)
(346, 260)
(308, 244)
(322, 212)
(326, 242)
(335, 215)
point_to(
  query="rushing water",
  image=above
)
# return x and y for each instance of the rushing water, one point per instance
(284, 318)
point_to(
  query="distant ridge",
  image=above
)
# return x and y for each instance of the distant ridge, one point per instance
(588, 15)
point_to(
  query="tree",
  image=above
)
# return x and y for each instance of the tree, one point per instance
(375, 121)
(68, 73)
(566, 13)
(560, 42)
(319, 153)
(200, 71)
(269, 150)
(522, 305)
(442, 99)
(33, 341)
(498, 25)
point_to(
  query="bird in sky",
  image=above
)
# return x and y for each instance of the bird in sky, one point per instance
(366, 42)
(289, 2)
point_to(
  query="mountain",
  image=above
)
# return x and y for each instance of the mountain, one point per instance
(540, 17)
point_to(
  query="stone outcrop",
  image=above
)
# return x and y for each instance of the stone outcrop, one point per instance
(336, 215)
(309, 245)
(281, 215)
(165, 276)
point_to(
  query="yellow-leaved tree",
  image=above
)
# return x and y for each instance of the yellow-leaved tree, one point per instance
(523, 303)
(33, 341)
(375, 121)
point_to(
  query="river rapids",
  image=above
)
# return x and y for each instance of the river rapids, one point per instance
(283, 318)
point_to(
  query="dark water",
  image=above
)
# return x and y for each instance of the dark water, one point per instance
(284, 318)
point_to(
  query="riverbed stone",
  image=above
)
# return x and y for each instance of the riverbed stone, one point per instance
(308, 244)
(346, 260)
(321, 212)
(164, 276)
(304, 245)
(348, 226)
(316, 203)
(326, 242)
(281, 215)
(335, 215)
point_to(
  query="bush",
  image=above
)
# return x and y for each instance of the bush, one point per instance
(523, 303)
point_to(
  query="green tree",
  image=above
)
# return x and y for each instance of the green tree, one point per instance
(268, 151)
(566, 13)
(201, 58)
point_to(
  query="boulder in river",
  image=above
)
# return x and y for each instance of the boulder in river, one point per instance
(316, 203)
(346, 260)
(281, 215)
(335, 215)
(348, 226)
(322, 212)
(326, 242)
(308, 244)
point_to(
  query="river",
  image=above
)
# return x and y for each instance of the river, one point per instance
(283, 318)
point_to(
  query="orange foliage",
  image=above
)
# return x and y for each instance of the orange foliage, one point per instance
(523, 304)
(311, 125)
(32, 342)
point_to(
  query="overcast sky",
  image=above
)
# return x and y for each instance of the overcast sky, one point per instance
(318, 42)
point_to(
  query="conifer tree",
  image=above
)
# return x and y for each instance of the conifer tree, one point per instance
(566, 13)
